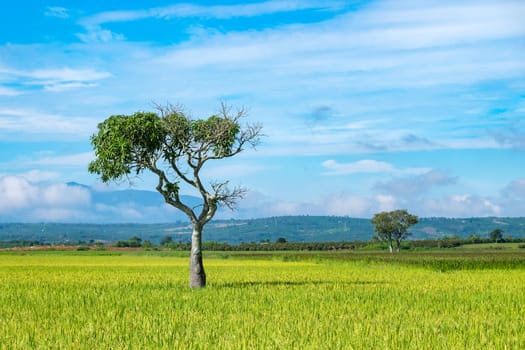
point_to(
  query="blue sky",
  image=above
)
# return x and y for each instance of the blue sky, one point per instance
(367, 105)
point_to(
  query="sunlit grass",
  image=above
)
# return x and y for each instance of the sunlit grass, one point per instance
(89, 301)
(491, 246)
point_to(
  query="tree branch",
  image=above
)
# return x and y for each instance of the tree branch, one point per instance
(170, 192)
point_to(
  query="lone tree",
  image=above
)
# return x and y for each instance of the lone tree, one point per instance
(496, 235)
(393, 225)
(175, 147)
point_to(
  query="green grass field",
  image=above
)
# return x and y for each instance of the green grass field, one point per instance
(343, 300)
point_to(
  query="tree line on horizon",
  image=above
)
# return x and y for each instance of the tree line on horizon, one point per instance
(281, 244)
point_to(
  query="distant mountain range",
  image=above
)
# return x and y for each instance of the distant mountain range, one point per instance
(148, 205)
(293, 228)
(145, 198)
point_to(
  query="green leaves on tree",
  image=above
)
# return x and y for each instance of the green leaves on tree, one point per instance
(125, 144)
(393, 226)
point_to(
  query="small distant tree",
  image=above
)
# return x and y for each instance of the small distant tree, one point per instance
(474, 238)
(496, 235)
(147, 244)
(393, 226)
(166, 240)
(175, 148)
(134, 242)
(281, 240)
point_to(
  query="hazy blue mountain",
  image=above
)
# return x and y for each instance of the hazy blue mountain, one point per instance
(140, 205)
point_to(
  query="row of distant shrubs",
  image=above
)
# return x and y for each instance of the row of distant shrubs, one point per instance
(279, 244)
(282, 244)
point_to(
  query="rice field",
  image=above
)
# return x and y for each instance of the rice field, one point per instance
(89, 300)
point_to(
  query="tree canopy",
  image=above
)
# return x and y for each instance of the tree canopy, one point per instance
(393, 226)
(175, 147)
(496, 235)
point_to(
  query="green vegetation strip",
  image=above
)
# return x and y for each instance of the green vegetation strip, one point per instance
(141, 300)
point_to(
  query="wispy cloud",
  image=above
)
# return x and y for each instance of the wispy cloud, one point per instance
(15, 122)
(25, 200)
(363, 79)
(416, 185)
(365, 206)
(53, 79)
(95, 31)
(74, 160)
(460, 205)
(384, 49)
(214, 11)
(52, 76)
(366, 166)
(385, 38)
(515, 189)
(234, 170)
(512, 136)
(57, 11)
(6, 91)
(36, 176)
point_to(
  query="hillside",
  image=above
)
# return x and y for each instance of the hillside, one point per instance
(293, 228)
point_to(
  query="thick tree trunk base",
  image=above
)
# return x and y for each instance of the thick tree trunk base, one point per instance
(197, 274)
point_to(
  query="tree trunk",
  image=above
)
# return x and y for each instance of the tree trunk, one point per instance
(197, 274)
(390, 247)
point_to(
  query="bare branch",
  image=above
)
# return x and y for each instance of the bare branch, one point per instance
(227, 197)
(168, 108)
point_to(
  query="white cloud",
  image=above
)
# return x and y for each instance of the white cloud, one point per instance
(16, 193)
(123, 212)
(347, 205)
(512, 198)
(293, 61)
(36, 176)
(361, 166)
(5, 91)
(358, 205)
(65, 77)
(73, 160)
(366, 166)
(515, 189)
(67, 86)
(52, 79)
(18, 122)
(232, 169)
(385, 76)
(57, 11)
(416, 185)
(215, 11)
(412, 24)
(292, 64)
(363, 44)
(135, 212)
(68, 74)
(96, 33)
(460, 205)
(386, 202)
(25, 200)
(343, 204)
(512, 136)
